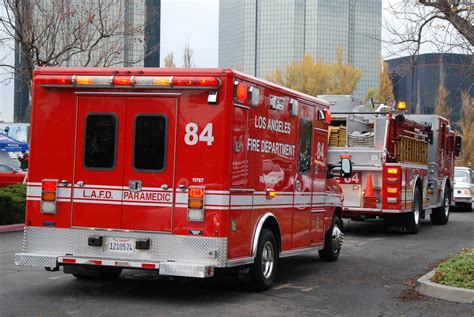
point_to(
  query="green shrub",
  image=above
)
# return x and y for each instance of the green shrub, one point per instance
(12, 204)
(458, 271)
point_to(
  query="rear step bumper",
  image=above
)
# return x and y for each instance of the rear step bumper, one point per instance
(188, 256)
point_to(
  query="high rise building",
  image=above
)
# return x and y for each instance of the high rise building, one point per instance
(259, 36)
(135, 41)
(417, 81)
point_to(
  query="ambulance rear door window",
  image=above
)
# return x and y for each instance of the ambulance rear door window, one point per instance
(100, 141)
(149, 150)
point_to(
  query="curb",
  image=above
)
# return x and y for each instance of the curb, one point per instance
(12, 228)
(454, 294)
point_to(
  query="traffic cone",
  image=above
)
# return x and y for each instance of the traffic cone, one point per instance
(369, 199)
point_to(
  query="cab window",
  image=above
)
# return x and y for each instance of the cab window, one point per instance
(100, 141)
(150, 143)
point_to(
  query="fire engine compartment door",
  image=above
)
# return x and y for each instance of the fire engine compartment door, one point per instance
(149, 163)
(99, 159)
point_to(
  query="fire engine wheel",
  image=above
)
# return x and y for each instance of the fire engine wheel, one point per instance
(440, 216)
(332, 241)
(264, 269)
(412, 219)
(94, 273)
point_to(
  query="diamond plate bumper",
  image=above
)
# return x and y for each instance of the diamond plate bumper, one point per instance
(191, 256)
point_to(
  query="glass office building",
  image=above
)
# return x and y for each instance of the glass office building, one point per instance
(259, 36)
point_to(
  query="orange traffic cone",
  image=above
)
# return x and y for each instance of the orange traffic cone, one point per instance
(369, 199)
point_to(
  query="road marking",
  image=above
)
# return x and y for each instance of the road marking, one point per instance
(57, 277)
(289, 285)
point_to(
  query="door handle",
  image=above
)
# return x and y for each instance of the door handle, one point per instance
(164, 187)
(135, 186)
(182, 187)
(80, 183)
(298, 185)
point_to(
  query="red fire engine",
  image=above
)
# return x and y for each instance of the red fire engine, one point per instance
(180, 171)
(403, 164)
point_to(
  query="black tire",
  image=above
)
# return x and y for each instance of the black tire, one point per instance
(440, 216)
(93, 273)
(412, 219)
(332, 241)
(263, 271)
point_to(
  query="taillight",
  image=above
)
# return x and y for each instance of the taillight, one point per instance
(49, 193)
(391, 187)
(196, 204)
(246, 94)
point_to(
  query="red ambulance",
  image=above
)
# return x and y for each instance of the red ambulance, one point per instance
(182, 171)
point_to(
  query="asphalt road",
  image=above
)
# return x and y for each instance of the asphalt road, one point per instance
(373, 277)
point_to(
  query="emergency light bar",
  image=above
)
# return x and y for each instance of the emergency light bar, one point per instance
(120, 81)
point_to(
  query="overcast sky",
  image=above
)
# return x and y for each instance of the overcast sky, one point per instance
(196, 21)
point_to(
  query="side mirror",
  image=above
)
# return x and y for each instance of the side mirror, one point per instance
(430, 137)
(457, 146)
(346, 168)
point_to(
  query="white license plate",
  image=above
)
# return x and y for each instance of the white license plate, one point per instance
(121, 245)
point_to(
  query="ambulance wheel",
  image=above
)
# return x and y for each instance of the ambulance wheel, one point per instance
(440, 216)
(263, 271)
(412, 219)
(332, 241)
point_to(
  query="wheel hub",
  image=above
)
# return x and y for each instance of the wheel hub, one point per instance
(268, 260)
(337, 238)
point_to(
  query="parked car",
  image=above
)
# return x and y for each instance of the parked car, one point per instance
(463, 187)
(10, 176)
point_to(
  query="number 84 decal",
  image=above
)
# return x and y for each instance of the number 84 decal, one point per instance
(192, 137)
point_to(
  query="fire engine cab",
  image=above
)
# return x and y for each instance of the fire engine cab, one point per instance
(403, 163)
(179, 171)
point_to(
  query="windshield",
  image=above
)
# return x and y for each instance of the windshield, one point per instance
(461, 176)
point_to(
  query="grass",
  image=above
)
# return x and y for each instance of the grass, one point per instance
(457, 271)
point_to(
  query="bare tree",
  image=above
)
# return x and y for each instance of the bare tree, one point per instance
(67, 33)
(169, 60)
(444, 24)
(188, 56)
(62, 32)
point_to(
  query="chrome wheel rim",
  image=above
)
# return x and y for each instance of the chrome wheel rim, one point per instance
(268, 260)
(337, 238)
(446, 207)
(416, 214)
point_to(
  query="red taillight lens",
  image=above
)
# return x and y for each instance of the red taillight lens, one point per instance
(183, 81)
(49, 185)
(241, 92)
(121, 81)
(196, 192)
(328, 116)
(53, 80)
